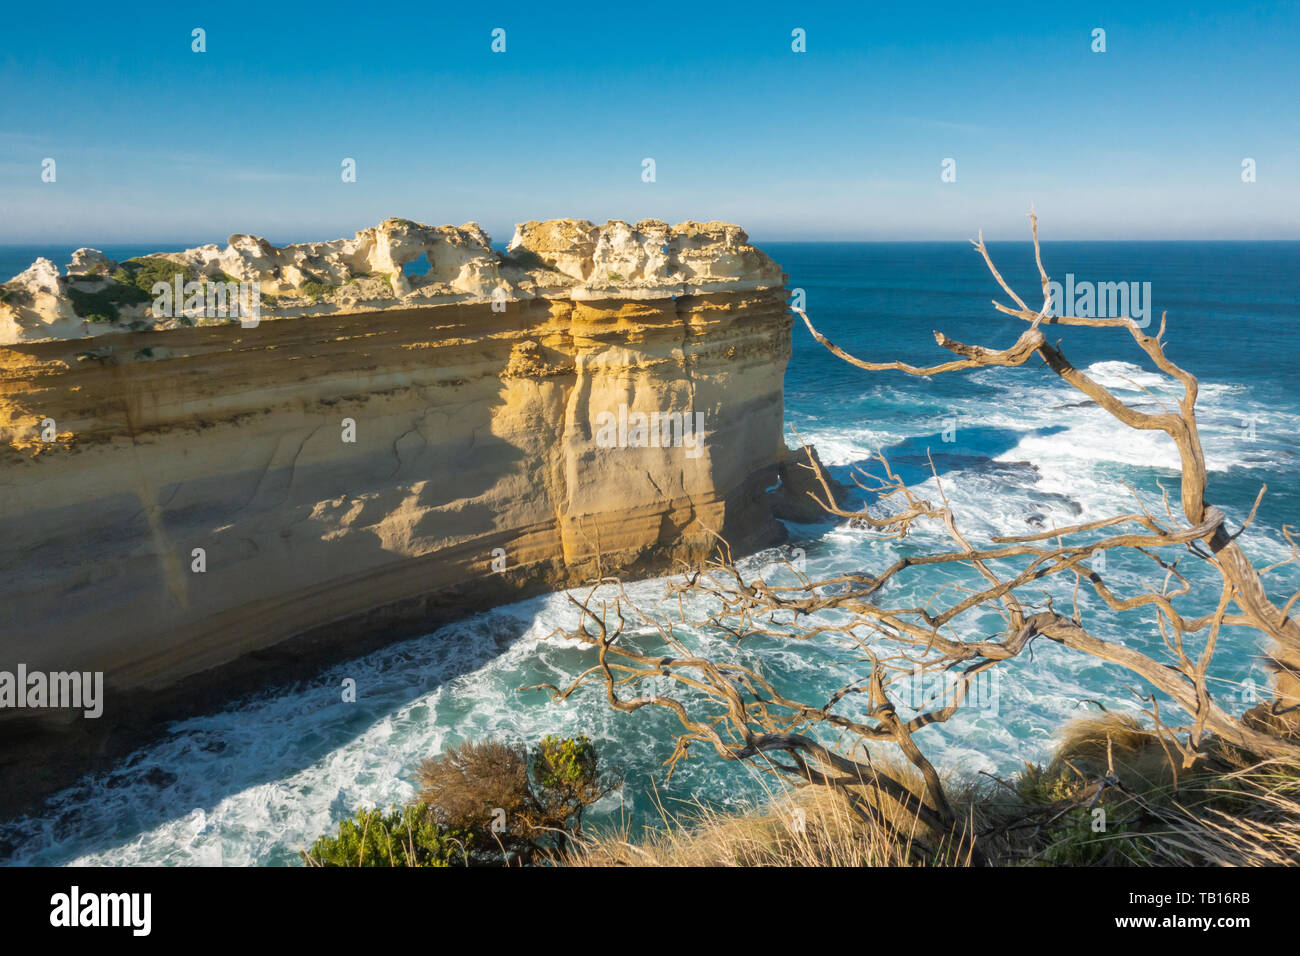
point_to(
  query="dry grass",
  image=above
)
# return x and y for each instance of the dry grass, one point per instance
(809, 826)
(1226, 811)
(1230, 809)
(1250, 817)
(826, 833)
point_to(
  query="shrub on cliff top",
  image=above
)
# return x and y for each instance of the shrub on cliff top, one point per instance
(142, 272)
(406, 836)
(14, 295)
(567, 771)
(102, 306)
(382, 276)
(315, 288)
(478, 806)
(486, 788)
(132, 284)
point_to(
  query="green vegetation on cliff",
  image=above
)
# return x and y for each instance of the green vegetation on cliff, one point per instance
(481, 803)
(406, 836)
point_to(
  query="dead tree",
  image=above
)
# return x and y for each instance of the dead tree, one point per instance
(735, 709)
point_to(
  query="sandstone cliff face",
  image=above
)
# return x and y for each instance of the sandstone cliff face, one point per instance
(479, 433)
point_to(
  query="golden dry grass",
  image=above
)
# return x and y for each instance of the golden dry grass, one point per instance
(809, 826)
(826, 833)
(1225, 811)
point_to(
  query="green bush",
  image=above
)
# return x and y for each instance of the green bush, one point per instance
(568, 777)
(526, 259)
(406, 836)
(387, 279)
(485, 788)
(132, 284)
(315, 288)
(478, 806)
(142, 273)
(102, 306)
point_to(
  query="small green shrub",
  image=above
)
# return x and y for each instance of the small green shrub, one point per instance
(387, 279)
(526, 259)
(102, 306)
(478, 806)
(567, 771)
(406, 836)
(315, 288)
(132, 284)
(142, 272)
(1040, 786)
(1073, 841)
(1068, 834)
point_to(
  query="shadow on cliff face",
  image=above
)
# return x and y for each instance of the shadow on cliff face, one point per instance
(79, 766)
(275, 747)
(301, 743)
(178, 783)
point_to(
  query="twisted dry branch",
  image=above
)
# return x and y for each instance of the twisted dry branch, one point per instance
(733, 708)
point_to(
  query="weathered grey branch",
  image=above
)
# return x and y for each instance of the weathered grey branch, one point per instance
(735, 710)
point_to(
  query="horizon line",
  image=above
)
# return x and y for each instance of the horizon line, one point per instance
(98, 244)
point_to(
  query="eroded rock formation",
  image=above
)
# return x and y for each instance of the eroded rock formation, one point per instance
(573, 259)
(182, 506)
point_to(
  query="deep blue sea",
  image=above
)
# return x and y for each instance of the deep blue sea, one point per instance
(259, 780)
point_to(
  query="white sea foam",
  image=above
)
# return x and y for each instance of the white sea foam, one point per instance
(259, 781)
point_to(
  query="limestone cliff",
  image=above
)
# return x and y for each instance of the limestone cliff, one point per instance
(563, 258)
(183, 505)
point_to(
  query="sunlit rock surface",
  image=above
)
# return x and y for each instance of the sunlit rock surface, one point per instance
(181, 508)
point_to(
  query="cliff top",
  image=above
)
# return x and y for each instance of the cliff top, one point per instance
(209, 285)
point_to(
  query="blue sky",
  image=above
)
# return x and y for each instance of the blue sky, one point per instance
(155, 142)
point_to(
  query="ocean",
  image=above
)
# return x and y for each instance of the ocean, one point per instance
(259, 780)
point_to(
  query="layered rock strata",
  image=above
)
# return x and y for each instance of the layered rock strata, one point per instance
(189, 506)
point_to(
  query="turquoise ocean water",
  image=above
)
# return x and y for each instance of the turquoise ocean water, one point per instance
(257, 781)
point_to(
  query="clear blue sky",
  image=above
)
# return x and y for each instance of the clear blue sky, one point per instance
(155, 142)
